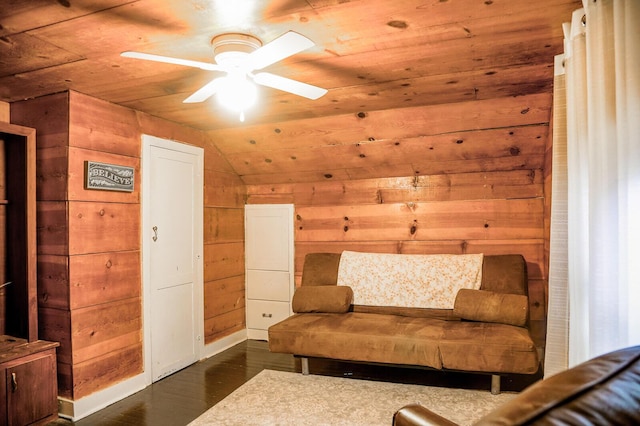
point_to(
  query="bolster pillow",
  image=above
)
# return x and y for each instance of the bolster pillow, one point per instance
(322, 298)
(488, 306)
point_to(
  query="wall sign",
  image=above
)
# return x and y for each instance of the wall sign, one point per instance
(108, 177)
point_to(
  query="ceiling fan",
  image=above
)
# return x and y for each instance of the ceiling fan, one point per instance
(239, 56)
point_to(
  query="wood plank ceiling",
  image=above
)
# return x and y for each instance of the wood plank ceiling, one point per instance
(398, 72)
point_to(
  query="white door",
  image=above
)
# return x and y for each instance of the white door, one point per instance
(173, 233)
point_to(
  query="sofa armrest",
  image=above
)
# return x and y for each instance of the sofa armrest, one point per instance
(417, 415)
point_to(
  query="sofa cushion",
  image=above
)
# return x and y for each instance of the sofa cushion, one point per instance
(324, 298)
(487, 347)
(357, 336)
(320, 269)
(504, 273)
(488, 306)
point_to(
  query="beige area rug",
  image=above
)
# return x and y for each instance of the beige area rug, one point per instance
(280, 398)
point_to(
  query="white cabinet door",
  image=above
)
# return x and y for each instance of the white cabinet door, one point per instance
(268, 233)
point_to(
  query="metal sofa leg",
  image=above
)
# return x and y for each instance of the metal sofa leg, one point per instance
(495, 384)
(304, 361)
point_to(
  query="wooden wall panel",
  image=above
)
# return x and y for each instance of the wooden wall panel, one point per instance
(104, 246)
(100, 126)
(223, 325)
(150, 125)
(105, 328)
(49, 115)
(223, 189)
(214, 160)
(52, 227)
(224, 196)
(106, 370)
(65, 380)
(55, 325)
(5, 112)
(223, 225)
(104, 277)
(484, 219)
(224, 305)
(444, 187)
(537, 305)
(53, 282)
(223, 260)
(96, 227)
(52, 171)
(224, 295)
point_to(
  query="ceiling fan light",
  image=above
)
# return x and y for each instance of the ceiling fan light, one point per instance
(237, 93)
(231, 49)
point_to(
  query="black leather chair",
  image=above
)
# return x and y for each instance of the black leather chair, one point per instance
(602, 391)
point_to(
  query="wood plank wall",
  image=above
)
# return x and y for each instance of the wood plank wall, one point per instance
(89, 248)
(224, 291)
(5, 112)
(478, 203)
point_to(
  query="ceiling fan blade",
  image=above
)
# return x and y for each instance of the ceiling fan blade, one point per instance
(177, 61)
(288, 85)
(206, 91)
(284, 46)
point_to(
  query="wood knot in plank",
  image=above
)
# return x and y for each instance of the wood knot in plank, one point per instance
(398, 24)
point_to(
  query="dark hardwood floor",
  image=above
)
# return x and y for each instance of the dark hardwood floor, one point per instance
(180, 398)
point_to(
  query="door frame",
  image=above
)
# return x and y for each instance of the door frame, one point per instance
(149, 141)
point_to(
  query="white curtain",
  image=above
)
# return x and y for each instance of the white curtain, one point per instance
(594, 269)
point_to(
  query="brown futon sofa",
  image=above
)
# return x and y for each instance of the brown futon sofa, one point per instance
(486, 331)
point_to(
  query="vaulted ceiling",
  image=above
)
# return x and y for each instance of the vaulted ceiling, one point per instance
(374, 57)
